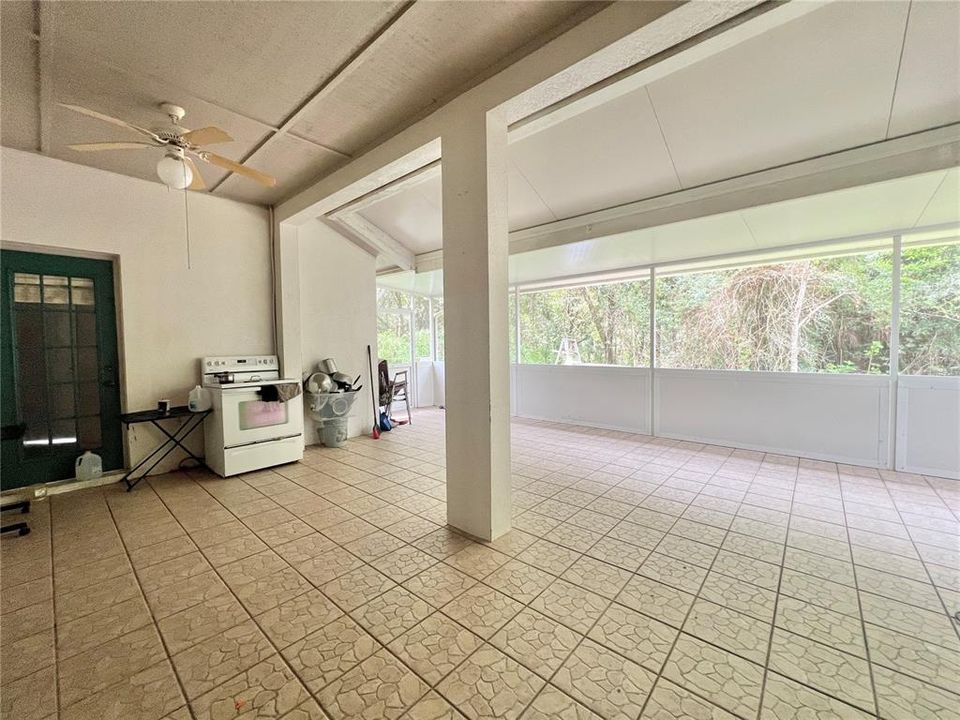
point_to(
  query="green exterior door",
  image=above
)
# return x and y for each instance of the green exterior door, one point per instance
(61, 393)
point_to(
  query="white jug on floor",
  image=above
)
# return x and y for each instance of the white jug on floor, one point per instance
(88, 466)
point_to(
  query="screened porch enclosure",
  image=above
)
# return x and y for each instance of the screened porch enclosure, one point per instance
(837, 347)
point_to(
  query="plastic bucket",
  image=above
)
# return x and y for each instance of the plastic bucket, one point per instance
(332, 433)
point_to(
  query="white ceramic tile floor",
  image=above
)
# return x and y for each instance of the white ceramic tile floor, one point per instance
(643, 578)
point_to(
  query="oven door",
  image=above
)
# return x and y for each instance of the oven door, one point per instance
(248, 419)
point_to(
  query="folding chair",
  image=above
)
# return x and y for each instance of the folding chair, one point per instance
(393, 390)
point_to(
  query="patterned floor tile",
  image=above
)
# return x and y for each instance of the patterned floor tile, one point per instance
(571, 605)
(390, 615)
(536, 641)
(352, 590)
(656, 600)
(835, 673)
(784, 699)
(605, 682)
(31, 698)
(671, 571)
(97, 628)
(489, 684)
(477, 561)
(215, 660)
(843, 632)
(375, 545)
(638, 637)
(669, 701)
(295, 619)
(434, 647)
(439, 584)
(599, 577)
(105, 665)
(148, 695)
(617, 552)
(404, 563)
(482, 610)
(199, 588)
(730, 630)
(268, 592)
(324, 655)
(902, 697)
(328, 566)
(26, 656)
(518, 580)
(548, 556)
(379, 687)
(931, 663)
(931, 627)
(199, 622)
(267, 690)
(433, 707)
(815, 590)
(551, 704)
(726, 679)
(740, 596)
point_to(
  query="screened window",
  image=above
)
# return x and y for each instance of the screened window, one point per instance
(930, 309)
(393, 326)
(421, 317)
(596, 324)
(817, 315)
(438, 325)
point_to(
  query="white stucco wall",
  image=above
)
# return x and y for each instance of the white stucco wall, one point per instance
(168, 315)
(338, 312)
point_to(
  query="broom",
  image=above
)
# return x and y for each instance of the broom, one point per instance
(375, 433)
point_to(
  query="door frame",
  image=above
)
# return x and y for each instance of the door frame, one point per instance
(52, 255)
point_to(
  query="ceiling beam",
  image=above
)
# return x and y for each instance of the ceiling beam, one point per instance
(330, 84)
(613, 39)
(376, 238)
(926, 151)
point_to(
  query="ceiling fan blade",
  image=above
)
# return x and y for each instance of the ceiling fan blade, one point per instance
(112, 121)
(207, 136)
(198, 183)
(97, 147)
(227, 164)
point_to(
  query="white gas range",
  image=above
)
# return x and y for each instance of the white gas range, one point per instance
(244, 432)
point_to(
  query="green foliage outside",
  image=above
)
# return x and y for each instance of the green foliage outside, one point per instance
(822, 315)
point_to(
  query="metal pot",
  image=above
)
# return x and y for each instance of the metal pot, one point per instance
(328, 366)
(320, 383)
(341, 378)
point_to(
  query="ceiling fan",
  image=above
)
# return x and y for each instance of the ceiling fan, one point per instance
(176, 168)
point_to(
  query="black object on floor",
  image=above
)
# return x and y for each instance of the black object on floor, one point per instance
(21, 528)
(174, 440)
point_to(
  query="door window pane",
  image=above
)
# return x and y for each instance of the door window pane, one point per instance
(62, 403)
(55, 290)
(60, 365)
(87, 363)
(86, 328)
(88, 432)
(89, 397)
(930, 310)
(56, 328)
(82, 292)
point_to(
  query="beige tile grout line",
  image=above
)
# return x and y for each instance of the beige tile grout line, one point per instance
(143, 596)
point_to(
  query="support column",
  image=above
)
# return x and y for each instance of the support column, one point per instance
(475, 292)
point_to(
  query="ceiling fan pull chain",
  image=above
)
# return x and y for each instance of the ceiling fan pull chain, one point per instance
(186, 220)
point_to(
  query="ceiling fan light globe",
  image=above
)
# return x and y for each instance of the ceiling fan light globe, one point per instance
(174, 172)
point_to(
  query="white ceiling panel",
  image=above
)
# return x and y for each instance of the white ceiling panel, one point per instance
(818, 84)
(19, 117)
(259, 58)
(294, 162)
(526, 209)
(413, 216)
(928, 86)
(434, 49)
(944, 206)
(855, 211)
(610, 155)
